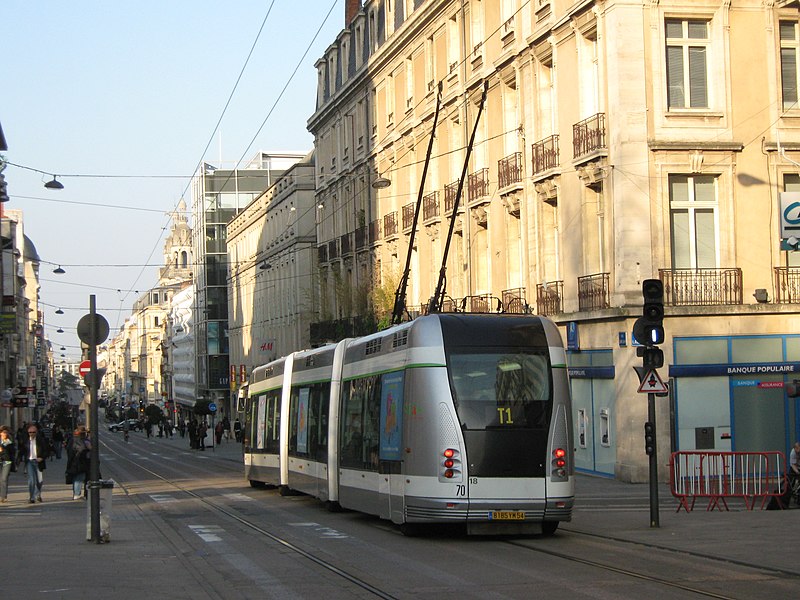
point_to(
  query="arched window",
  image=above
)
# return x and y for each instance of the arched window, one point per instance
(184, 259)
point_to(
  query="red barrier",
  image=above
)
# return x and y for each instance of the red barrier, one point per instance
(721, 475)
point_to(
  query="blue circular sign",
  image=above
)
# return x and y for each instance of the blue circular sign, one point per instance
(212, 407)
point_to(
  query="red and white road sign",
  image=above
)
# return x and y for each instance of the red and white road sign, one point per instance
(652, 384)
(84, 368)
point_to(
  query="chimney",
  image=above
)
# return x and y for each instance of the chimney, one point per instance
(351, 8)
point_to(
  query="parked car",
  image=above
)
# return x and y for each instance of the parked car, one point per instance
(133, 425)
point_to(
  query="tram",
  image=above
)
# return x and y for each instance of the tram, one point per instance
(449, 418)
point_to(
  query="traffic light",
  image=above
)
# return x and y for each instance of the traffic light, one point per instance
(649, 438)
(3, 188)
(652, 358)
(649, 328)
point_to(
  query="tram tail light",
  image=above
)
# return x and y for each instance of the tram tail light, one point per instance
(559, 462)
(451, 464)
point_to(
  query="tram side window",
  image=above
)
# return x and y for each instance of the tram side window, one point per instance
(272, 430)
(308, 421)
(360, 424)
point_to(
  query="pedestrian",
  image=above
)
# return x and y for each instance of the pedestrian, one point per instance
(193, 434)
(226, 427)
(148, 427)
(218, 431)
(202, 430)
(7, 455)
(58, 441)
(182, 427)
(33, 452)
(237, 430)
(78, 458)
(161, 429)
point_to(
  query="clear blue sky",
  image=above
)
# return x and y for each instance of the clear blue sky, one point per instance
(119, 92)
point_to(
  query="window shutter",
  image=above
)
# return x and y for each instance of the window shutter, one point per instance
(675, 92)
(789, 77)
(698, 87)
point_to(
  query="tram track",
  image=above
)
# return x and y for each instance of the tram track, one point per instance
(230, 514)
(694, 589)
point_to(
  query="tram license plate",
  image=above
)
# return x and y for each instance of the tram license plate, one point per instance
(507, 515)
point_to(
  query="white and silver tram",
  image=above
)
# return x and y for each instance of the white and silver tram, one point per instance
(449, 418)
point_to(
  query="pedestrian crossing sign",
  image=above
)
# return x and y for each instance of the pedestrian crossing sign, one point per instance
(652, 384)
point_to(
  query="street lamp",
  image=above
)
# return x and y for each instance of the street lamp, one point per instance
(59, 270)
(59, 312)
(381, 183)
(54, 184)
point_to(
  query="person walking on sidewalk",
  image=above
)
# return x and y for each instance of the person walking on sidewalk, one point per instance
(78, 461)
(6, 460)
(33, 452)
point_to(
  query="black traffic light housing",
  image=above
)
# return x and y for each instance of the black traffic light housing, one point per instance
(649, 438)
(652, 358)
(649, 328)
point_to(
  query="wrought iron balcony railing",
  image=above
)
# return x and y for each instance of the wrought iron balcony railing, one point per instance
(333, 249)
(390, 224)
(545, 155)
(593, 292)
(701, 287)
(509, 170)
(787, 285)
(478, 184)
(514, 301)
(589, 135)
(322, 253)
(361, 237)
(374, 231)
(408, 216)
(549, 297)
(450, 192)
(430, 206)
(481, 303)
(345, 244)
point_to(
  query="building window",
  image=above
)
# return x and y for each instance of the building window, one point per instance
(693, 221)
(687, 72)
(789, 63)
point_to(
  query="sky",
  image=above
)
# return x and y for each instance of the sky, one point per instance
(121, 100)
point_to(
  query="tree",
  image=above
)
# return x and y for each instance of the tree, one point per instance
(154, 414)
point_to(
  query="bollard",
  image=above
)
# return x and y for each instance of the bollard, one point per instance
(106, 488)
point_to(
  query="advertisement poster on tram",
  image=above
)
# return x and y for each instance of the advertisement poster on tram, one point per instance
(391, 416)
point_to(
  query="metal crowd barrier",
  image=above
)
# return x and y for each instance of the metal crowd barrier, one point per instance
(721, 475)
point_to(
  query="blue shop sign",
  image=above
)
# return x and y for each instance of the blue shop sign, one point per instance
(735, 370)
(591, 372)
(573, 340)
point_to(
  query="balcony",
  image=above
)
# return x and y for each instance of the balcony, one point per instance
(514, 301)
(430, 206)
(545, 154)
(589, 136)
(333, 249)
(390, 224)
(481, 303)
(509, 170)
(787, 285)
(478, 185)
(374, 231)
(701, 287)
(450, 193)
(408, 217)
(549, 297)
(346, 244)
(593, 292)
(322, 253)
(361, 237)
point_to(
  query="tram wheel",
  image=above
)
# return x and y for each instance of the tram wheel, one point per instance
(411, 529)
(549, 527)
(257, 484)
(333, 506)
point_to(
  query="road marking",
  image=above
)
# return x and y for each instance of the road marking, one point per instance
(325, 532)
(239, 497)
(163, 498)
(207, 533)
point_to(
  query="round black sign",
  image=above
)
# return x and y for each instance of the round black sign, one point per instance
(100, 329)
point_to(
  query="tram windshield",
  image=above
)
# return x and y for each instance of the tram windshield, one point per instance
(498, 390)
